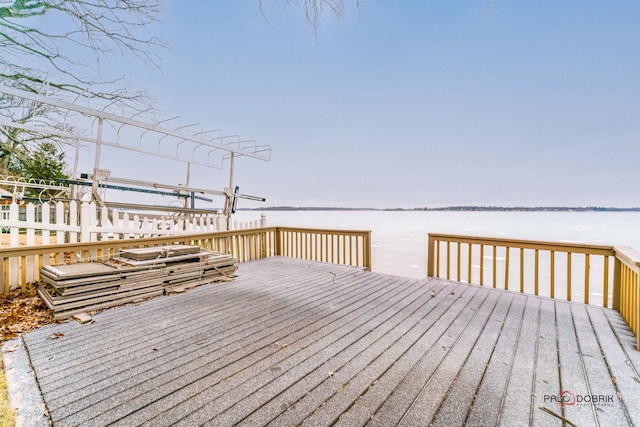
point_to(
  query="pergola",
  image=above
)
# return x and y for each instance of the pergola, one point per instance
(191, 144)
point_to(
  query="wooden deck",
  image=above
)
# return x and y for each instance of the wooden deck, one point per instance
(298, 342)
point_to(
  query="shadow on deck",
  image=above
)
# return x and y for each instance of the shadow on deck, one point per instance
(294, 341)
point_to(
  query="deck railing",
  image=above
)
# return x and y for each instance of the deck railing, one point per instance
(594, 274)
(335, 246)
(21, 265)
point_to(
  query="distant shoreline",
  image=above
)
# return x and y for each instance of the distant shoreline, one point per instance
(455, 208)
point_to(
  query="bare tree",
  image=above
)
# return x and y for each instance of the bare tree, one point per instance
(314, 9)
(58, 46)
(50, 41)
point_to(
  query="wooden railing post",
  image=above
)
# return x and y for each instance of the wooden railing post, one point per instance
(263, 243)
(277, 242)
(367, 251)
(431, 250)
(617, 281)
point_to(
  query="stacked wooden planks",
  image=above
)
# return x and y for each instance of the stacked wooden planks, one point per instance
(134, 275)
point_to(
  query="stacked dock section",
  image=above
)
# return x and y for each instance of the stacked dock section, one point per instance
(133, 275)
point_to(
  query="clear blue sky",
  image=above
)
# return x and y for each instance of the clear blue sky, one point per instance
(414, 103)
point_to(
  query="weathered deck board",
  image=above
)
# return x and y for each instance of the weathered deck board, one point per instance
(298, 342)
(546, 381)
(406, 384)
(516, 406)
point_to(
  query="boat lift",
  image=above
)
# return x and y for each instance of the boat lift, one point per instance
(207, 148)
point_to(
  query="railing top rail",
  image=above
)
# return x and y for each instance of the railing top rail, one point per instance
(526, 244)
(122, 243)
(326, 231)
(7, 252)
(627, 255)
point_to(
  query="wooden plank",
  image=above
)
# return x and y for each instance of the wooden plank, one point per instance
(302, 354)
(395, 406)
(624, 375)
(517, 401)
(363, 363)
(492, 390)
(435, 390)
(212, 315)
(173, 314)
(598, 376)
(547, 367)
(189, 367)
(466, 386)
(340, 374)
(389, 396)
(159, 252)
(72, 286)
(572, 374)
(108, 304)
(59, 307)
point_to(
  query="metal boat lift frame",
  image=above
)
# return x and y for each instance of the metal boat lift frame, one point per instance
(231, 146)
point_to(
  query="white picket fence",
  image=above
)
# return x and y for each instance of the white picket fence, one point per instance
(74, 222)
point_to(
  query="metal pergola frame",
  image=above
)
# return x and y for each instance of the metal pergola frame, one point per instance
(229, 146)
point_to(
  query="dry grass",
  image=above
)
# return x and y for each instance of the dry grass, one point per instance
(7, 416)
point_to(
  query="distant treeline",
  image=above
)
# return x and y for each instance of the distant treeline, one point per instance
(459, 208)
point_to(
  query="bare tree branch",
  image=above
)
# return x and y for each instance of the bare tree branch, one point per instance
(33, 51)
(314, 10)
(48, 45)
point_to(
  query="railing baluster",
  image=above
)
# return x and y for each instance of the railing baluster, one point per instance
(437, 258)
(350, 250)
(333, 248)
(623, 291)
(469, 263)
(537, 271)
(448, 260)
(634, 306)
(506, 267)
(458, 262)
(326, 247)
(605, 284)
(495, 266)
(586, 278)
(568, 276)
(4, 274)
(553, 273)
(522, 270)
(23, 273)
(626, 292)
(481, 265)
